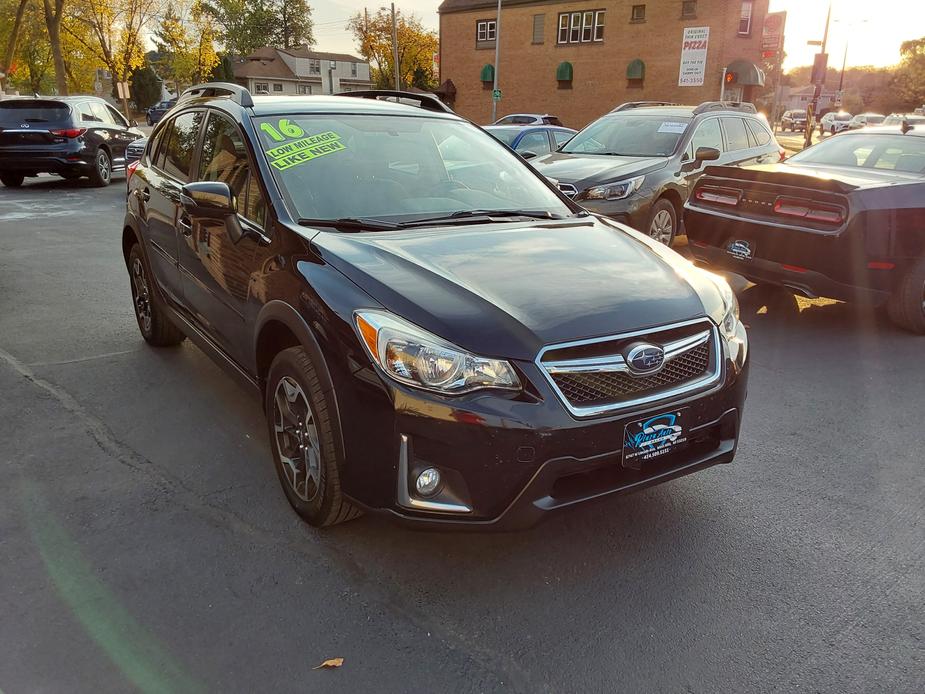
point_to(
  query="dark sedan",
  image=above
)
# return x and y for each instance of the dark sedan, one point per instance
(531, 140)
(844, 219)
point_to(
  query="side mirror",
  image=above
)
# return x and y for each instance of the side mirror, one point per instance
(527, 154)
(706, 154)
(213, 200)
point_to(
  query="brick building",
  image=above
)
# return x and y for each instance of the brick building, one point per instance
(579, 59)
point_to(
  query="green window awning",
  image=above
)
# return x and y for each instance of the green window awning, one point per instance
(636, 70)
(488, 73)
(564, 72)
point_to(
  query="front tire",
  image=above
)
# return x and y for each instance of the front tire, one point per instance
(101, 173)
(301, 428)
(12, 180)
(663, 222)
(155, 327)
(907, 304)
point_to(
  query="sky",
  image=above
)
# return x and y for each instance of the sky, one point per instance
(875, 27)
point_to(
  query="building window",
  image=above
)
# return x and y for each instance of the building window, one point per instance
(277, 87)
(261, 87)
(581, 27)
(485, 30)
(689, 9)
(353, 69)
(638, 13)
(539, 21)
(305, 89)
(745, 18)
(314, 66)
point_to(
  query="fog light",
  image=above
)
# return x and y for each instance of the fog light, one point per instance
(428, 482)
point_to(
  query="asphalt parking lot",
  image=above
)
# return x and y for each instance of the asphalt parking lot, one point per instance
(146, 543)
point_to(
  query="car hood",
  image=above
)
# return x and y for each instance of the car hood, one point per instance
(506, 290)
(584, 170)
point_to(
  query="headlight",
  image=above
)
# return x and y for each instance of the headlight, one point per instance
(418, 358)
(614, 191)
(730, 318)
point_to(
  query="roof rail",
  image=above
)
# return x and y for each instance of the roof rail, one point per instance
(235, 92)
(428, 102)
(640, 104)
(742, 106)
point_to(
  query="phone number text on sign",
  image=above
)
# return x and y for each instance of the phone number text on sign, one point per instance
(693, 56)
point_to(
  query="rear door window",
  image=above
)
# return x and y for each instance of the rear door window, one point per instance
(736, 134)
(179, 143)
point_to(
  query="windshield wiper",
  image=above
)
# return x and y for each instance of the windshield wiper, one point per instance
(350, 224)
(476, 216)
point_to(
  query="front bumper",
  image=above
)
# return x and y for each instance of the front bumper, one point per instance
(632, 211)
(512, 460)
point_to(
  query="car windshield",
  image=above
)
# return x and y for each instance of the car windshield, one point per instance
(397, 168)
(904, 153)
(798, 114)
(505, 135)
(630, 135)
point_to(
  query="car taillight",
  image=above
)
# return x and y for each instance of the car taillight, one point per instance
(807, 209)
(720, 196)
(130, 169)
(69, 132)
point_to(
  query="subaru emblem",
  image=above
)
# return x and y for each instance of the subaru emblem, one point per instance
(644, 359)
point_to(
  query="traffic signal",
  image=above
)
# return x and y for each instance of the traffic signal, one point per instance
(731, 77)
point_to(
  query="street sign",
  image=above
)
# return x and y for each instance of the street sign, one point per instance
(496, 95)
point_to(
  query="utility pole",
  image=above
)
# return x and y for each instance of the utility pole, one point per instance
(494, 90)
(844, 61)
(395, 50)
(820, 81)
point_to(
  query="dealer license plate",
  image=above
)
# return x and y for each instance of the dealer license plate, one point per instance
(653, 437)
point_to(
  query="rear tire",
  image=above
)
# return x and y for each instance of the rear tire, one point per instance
(907, 304)
(101, 173)
(301, 429)
(155, 326)
(12, 180)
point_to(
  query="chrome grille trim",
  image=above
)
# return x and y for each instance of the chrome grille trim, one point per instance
(615, 363)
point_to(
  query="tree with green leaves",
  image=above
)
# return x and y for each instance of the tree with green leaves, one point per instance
(295, 25)
(145, 88)
(909, 81)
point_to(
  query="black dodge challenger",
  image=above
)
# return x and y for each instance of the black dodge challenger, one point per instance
(844, 219)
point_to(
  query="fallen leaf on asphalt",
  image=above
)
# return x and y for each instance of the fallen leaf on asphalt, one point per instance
(330, 662)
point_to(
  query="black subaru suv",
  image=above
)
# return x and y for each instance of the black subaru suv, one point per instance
(72, 136)
(437, 334)
(638, 163)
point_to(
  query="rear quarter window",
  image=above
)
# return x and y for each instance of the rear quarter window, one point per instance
(759, 132)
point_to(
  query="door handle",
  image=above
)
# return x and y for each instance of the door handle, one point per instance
(146, 194)
(186, 225)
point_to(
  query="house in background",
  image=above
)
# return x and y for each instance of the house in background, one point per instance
(301, 71)
(578, 59)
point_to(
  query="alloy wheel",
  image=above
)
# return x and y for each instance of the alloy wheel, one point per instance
(103, 166)
(661, 227)
(297, 439)
(142, 296)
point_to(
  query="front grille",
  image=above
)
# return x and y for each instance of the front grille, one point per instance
(593, 377)
(584, 389)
